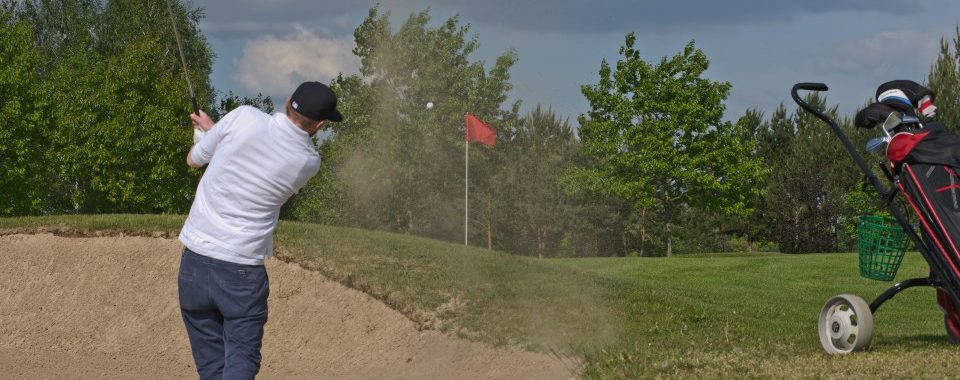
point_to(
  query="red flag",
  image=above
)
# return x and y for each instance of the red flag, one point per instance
(478, 131)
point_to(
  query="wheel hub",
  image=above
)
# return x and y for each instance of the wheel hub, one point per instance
(837, 327)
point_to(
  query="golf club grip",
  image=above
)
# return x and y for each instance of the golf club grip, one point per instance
(196, 108)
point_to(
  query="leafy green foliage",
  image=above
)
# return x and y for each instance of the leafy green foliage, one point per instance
(534, 210)
(806, 206)
(230, 101)
(61, 26)
(128, 22)
(944, 80)
(657, 134)
(754, 226)
(24, 109)
(115, 104)
(118, 140)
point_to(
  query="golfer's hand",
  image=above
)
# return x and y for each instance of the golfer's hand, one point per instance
(201, 121)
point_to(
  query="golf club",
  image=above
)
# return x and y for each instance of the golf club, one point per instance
(183, 59)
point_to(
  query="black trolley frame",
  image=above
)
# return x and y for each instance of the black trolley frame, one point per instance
(934, 259)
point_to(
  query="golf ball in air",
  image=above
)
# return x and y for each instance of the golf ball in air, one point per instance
(429, 105)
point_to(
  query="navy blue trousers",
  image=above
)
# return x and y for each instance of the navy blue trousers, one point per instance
(224, 308)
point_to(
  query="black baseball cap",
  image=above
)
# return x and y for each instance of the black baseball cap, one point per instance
(316, 101)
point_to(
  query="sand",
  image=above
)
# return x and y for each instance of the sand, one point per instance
(106, 307)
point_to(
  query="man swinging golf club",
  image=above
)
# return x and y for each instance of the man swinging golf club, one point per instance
(255, 162)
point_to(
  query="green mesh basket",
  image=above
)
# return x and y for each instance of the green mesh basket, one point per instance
(881, 243)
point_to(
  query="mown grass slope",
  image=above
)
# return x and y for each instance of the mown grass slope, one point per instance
(756, 316)
(476, 293)
(706, 316)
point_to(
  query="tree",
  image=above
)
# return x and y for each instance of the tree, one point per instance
(61, 26)
(119, 144)
(752, 128)
(24, 110)
(406, 172)
(535, 210)
(229, 101)
(944, 80)
(116, 134)
(656, 130)
(813, 173)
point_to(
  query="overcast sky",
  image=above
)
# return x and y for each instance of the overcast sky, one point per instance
(762, 47)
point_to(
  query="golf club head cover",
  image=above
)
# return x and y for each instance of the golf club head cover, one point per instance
(874, 114)
(907, 96)
(926, 107)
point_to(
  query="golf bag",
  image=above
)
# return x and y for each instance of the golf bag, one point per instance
(926, 166)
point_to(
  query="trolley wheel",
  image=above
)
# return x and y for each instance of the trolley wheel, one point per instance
(953, 329)
(846, 324)
(951, 319)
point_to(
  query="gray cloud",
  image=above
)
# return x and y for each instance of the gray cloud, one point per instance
(277, 64)
(651, 15)
(887, 53)
(243, 19)
(248, 17)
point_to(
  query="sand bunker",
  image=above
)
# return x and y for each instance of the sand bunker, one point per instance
(106, 307)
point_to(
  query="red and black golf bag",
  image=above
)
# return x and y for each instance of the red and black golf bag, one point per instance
(926, 168)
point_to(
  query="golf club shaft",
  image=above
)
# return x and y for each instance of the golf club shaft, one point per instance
(183, 59)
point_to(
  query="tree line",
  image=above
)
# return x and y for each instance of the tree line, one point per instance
(93, 109)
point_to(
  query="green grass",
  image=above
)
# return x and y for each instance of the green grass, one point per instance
(707, 316)
(755, 316)
(166, 225)
(475, 293)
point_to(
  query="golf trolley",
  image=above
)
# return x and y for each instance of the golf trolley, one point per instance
(924, 167)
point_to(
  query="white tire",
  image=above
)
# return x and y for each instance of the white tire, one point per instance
(846, 324)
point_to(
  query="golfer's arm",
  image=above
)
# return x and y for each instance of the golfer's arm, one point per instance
(190, 158)
(201, 153)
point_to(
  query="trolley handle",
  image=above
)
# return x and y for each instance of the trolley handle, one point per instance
(810, 86)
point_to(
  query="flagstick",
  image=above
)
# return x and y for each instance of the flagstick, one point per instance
(466, 191)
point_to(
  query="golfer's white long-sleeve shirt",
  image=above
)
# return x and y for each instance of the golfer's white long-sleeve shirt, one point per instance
(256, 162)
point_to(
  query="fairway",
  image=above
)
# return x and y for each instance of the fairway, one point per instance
(688, 316)
(756, 315)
